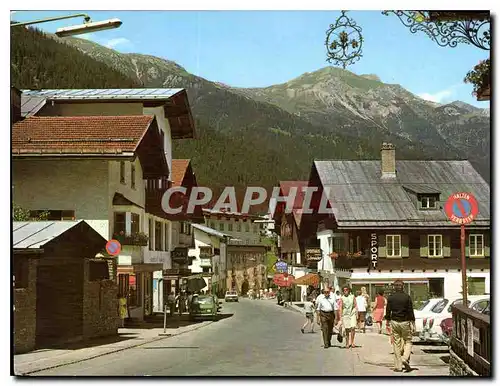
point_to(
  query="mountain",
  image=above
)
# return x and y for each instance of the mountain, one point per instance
(256, 137)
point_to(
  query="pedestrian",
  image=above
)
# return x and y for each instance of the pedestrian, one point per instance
(309, 309)
(378, 311)
(362, 306)
(338, 318)
(349, 315)
(325, 316)
(171, 303)
(122, 308)
(400, 315)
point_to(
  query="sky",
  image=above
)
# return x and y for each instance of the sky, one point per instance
(262, 48)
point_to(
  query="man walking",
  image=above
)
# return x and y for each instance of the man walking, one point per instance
(399, 313)
(325, 315)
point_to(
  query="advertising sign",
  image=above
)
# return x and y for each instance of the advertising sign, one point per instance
(374, 250)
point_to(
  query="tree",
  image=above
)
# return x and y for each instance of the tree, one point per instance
(21, 214)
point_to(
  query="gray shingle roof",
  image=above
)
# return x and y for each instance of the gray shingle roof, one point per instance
(360, 197)
(103, 94)
(35, 234)
(210, 231)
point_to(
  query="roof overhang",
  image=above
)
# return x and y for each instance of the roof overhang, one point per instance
(179, 115)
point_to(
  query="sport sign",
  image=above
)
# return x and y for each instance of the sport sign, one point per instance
(113, 247)
(461, 208)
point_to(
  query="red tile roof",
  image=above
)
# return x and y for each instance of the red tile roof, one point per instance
(79, 135)
(179, 168)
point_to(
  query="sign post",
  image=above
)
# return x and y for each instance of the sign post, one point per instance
(461, 208)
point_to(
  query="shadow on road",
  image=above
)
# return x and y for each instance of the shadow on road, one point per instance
(88, 343)
(166, 347)
(174, 321)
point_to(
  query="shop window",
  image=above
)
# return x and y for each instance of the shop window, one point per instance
(158, 236)
(132, 176)
(393, 245)
(151, 233)
(435, 243)
(419, 292)
(98, 270)
(21, 273)
(119, 224)
(135, 224)
(122, 172)
(476, 285)
(476, 245)
(123, 285)
(135, 290)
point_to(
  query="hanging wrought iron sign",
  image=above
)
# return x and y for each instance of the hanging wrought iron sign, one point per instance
(446, 29)
(344, 41)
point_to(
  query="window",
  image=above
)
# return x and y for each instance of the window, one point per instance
(255, 229)
(247, 227)
(151, 233)
(135, 225)
(158, 236)
(135, 290)
(119, 225)
(206, 269)
(212, 224)
(167, 246)
(132, 176)
(338, 244)
(123, 281)
(428, 202)
(230, 227)
(476, 285)
(122, 172)
(221, 226)
(435, 245)
(185, 228)
(393, 245)
(476, 245)
(238, 227)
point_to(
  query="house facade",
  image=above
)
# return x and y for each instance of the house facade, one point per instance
(388, 223)
(209, 258)
(118, 187)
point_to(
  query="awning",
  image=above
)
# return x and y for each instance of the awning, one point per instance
(309, 279)
(136, 268)
(283, 281)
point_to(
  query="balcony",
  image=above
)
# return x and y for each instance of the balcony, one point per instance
(346, 260)
(205, 262)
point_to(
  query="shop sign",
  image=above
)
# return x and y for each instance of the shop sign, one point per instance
(374, 250)
(180, 255)
(313, 254)
(206, 252)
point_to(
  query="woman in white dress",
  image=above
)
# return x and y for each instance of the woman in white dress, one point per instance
(349, 313)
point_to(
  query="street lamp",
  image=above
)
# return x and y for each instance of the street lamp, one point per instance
(87, 26)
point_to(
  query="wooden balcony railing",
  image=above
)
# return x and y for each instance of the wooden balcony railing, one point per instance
(471, 339)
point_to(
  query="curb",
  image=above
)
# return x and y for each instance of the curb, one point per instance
(111, 352)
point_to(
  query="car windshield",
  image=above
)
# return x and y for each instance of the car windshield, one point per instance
(423, 305)
(459, 301)
(204, 300)
(439, 307)
(231, 293)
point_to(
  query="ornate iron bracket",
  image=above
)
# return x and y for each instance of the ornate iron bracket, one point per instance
(344, 41)
(447, 32)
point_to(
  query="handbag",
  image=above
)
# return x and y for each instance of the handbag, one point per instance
(340, 337)
(369, 321)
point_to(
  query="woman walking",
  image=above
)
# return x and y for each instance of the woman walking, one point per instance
(378, 312)
(362, 306)
(349, 311)
(309, 308)
(122, 308)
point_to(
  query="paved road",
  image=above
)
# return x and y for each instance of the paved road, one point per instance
(260, 338)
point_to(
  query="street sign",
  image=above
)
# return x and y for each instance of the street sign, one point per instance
(113, 247)
(461, 208)
(313, 254)
(281, 266)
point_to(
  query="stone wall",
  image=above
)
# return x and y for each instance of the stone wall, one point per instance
(100, 313)
(458, 368)
(25, 313)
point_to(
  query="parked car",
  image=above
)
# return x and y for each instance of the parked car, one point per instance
(482, 306)
(231, 296)
(428, 325)
(426, 307)
(204, 306)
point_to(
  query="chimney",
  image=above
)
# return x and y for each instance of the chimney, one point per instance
(388, 155)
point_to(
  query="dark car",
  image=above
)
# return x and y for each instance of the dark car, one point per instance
(204, 306)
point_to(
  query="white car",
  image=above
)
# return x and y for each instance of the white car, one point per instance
(426, 307)
(428, 324)
(231, 296)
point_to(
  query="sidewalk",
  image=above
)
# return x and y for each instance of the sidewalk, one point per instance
(127, 338)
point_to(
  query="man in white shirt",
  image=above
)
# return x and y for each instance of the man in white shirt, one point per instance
(361, 303)
(326, 315)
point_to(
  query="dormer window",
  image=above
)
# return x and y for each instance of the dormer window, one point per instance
(428, 202)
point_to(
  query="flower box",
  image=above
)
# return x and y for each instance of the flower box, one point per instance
(140, 239)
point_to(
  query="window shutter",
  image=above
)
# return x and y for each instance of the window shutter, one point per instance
(405, 247)
(381, 246)
(486, 237)
(424, 247)
(446, 246)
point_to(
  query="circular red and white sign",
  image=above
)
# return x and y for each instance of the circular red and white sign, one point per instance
(461, 208)
(113, 247)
